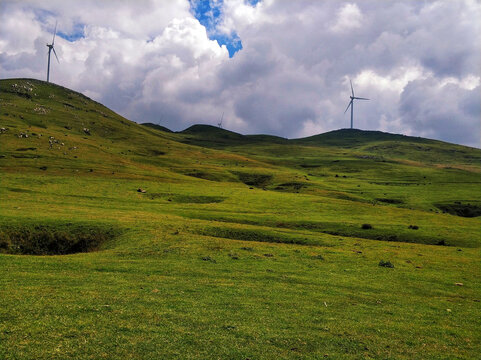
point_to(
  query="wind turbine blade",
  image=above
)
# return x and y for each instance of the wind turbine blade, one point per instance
(54, 32)
(55, 55)
(352, 90)
(350, 103)
(358, 98)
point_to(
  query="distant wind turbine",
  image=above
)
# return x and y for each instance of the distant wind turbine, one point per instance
(50, 48)
(222, 118)
(351, 103)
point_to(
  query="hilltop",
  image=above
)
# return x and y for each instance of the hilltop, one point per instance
(118, 238)
(373, 142)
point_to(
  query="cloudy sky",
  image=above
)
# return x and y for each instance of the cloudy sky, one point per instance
(272, 66)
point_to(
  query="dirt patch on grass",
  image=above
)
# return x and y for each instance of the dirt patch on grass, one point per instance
(26, 156)
(54, 239)
(186, 199)
(20, 190)
(254, 235)
(344, 196)
(157, 152)
(390, 201)
(203, 175)
(459, 209)
(290, 186)
(254, 179)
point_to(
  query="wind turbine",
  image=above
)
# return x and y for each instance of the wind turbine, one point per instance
(222, 118)
(351, 103)
(50, 48)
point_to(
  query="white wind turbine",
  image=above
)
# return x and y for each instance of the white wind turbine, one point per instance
(351, 103)
(222, 118)
(50, 48)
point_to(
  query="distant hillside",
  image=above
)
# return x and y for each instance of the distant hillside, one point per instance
(355, 137)
(214, 132)
(371, 143)
(157, 127)
(218, 138)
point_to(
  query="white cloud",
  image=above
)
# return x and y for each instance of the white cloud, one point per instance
(395, 81)
(349, 17)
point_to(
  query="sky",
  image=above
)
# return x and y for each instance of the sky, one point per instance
(271, 66)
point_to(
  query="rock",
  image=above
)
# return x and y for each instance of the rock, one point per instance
(140, 190)
(459, 284)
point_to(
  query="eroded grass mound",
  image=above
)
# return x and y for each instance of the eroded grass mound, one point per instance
(459, 209)
(254, 179)
(187, 199)
(53, 239)
(260, 235)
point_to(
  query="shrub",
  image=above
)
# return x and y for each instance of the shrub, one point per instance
(366, 226)
(387, 264)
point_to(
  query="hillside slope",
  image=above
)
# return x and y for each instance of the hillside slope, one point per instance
(121, 241)
(53, 130)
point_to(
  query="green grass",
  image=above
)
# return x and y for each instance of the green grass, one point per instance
(241, 247)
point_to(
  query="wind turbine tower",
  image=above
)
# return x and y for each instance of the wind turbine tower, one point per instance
(351, 103)
(222, 118)
(50, 48)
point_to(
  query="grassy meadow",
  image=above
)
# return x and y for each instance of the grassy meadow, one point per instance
(119, 240)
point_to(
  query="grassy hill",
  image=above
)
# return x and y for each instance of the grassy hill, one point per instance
(157, 127)
(120, 240)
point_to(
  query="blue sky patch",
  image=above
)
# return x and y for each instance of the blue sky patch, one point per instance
(49, 17)
(209, 14)
(77, 33)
